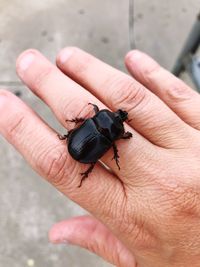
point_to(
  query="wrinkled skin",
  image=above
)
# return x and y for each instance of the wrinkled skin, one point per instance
(148, 213)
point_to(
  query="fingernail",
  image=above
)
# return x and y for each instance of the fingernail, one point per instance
(134, 55)
(26, 60)
(65, 55)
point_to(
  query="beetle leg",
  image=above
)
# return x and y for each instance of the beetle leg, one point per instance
(86, 173)
(62, 137)
(127, 135)
(65, 136)
(76, 120)
(116, 155)
(96, 109)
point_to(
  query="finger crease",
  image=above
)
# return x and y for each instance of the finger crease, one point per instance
(17, 125)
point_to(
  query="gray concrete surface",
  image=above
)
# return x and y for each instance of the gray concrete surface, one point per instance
(29, 205)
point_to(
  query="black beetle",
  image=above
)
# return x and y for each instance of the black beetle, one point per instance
(88, 142)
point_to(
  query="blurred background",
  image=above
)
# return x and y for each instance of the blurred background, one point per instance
(29, 206)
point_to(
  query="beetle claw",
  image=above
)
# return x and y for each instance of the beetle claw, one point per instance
(63, 137)
(117, 161)
(116, 156)
(76, 120)
(127, 135)
(86, 173)
(95, 107)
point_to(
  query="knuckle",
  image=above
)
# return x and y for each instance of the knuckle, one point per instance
(151, 72)
(54, 165)
(16, 126)
(51, 163)
(93, 245)
(179, 91)
(130, 223)
(128, 95)
(138, 229)
(187, 203)
(42, 77)
(179, 202)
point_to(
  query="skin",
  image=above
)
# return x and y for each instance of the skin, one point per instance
(147, 214)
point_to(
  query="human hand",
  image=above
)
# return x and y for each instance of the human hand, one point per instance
(147, 214)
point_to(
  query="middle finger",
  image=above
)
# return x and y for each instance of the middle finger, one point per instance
(149, 115)
(69, 100)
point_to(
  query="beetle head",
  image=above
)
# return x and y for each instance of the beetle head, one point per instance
(123, 115)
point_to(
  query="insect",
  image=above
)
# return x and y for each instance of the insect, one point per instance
(89, 141)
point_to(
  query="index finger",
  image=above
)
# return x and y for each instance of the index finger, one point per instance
(47, 155)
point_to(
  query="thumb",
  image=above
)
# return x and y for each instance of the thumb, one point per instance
(89, 233)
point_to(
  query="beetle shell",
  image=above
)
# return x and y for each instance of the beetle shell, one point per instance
(86, 143)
